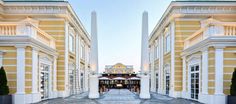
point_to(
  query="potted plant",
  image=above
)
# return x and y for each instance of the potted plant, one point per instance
(4, 89)
(232, 96)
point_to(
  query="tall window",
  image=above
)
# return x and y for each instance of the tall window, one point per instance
(157, 52)
(194, 81)
(167, 42)
(82, 52)
(71, 43)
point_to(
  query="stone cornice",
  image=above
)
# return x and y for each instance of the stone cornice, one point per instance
(215, 41)
(26, 41)
(176, 9)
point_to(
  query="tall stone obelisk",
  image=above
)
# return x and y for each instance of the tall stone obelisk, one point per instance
(93, 82)
(144, 93)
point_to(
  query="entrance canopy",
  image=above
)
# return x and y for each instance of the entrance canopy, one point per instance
(104, 78)
(134, 78)
(119, 78)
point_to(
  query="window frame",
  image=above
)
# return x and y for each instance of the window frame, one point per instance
(72, 43)
(167, 43)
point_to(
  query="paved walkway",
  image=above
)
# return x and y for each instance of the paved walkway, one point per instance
(118, 96)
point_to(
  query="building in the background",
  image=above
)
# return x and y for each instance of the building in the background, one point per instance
(193, 50)
(119, 68)
(44, 49)
(119, 76)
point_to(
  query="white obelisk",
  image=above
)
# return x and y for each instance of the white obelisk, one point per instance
(144, 93)
(93, 82)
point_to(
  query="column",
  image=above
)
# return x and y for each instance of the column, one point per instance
(35, 76)
(1, 58)
(219, 69)
(220, 98)
(78, 62)
(19, 97)
(34, 70)
(55, 76)
(66, 86)
(153, 77)
(203, 95)
(93, 82)
(205, 71)
(144, 93)
(160, 65)
(172, 75)
(184, 77)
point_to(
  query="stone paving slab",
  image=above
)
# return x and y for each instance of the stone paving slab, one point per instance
(118, 96)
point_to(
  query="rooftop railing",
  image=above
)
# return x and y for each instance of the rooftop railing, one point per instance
(26, 28)
(211, 28)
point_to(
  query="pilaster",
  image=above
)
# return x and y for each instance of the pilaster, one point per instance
(55, 76)
(35, 91)
(203, 95)
(66, 58)
(172, 77)
(184, 77)
(19, 97)
(220, 98)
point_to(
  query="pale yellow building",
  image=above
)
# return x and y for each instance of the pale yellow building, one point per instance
(44, 49)
(193, 50)
(119, 68)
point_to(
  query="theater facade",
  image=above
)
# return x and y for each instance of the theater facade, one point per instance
(44, 49)
(119, 76)
(193, 50)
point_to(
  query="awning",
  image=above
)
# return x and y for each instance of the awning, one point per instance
(134, 78)
(103, 78)
(119, 78)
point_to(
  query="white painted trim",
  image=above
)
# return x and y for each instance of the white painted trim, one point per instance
(219, 70)
(172, 82)
(34, 70)
(1, 58)
(184, 77)
(77, 63)
(20, 69)
(66, 56)
(55, 75)
(26, 40)
(19, 97)
(205, 71)
(160, 65)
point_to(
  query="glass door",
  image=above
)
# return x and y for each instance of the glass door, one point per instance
(156, 82)
(167, 83)
(72, 81)
(194, 81)
(44, 84)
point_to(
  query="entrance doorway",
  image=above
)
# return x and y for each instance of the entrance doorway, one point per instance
(167, 83)
(194, 81)
(72, 79)
(156, 82)
(44, 81)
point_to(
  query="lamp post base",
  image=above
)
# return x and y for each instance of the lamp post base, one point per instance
(93, 90)
(144, 94)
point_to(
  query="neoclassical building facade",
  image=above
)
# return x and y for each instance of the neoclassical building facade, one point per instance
(44, 49)
(193, 51)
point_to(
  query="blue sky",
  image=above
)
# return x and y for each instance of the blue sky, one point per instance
(119, 27)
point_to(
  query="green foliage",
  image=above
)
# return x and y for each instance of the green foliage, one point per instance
(4, 89)
(233, 84)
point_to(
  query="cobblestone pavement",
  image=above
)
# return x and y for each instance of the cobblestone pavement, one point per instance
(118, 96)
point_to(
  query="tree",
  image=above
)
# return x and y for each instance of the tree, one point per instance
(233, 84)
(4, 89)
